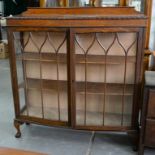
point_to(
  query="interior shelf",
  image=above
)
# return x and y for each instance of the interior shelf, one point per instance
(96, 118)
(49, 113)
(79, 58)
(46, 84)
(47, 57)
(101, 88)
(92, 87)
(92, 118)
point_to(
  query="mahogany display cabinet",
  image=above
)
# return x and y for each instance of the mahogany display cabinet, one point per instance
(79, 68)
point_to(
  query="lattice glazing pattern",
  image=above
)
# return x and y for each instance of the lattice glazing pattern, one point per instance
(43, 57)
(105, 77)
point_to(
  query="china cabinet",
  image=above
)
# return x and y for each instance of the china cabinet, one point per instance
(80, 72)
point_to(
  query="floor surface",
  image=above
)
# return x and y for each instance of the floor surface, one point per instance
(50, 140)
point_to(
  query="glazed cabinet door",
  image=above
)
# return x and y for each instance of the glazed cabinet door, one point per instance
(105, 78)
(42, 75)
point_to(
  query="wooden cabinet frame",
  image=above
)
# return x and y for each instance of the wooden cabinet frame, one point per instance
(72, 26)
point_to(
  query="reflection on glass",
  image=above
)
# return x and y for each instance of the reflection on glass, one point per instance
(135, 3)
(81, 3)
(77, 3)
(97, 3)
(109, 2)
(51, 3)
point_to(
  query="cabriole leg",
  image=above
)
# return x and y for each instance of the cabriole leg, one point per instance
(17, 125)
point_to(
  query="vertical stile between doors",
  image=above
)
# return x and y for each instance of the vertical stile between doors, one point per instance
(71, 72)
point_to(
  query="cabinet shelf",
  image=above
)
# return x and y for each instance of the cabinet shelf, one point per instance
(46, 84)
(92, 87)
(46, 57)
(49, 113)
(79, 58)
(112, 119)
(92, 117)
(99, 88)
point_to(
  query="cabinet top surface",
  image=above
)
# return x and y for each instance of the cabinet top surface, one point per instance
(81, 13)
(79, 17)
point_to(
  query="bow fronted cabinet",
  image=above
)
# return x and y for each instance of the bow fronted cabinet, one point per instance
(80, 68)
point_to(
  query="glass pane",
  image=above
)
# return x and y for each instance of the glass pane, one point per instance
(78, 3)
(20, 71)
(109, 2)
(105, 77)
(42, 74)
(138, 4)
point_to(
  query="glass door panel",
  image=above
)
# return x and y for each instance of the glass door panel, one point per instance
(104, 78)
(42, 74)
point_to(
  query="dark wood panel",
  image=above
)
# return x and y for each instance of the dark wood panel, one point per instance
(151, 104)
(150, 133)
